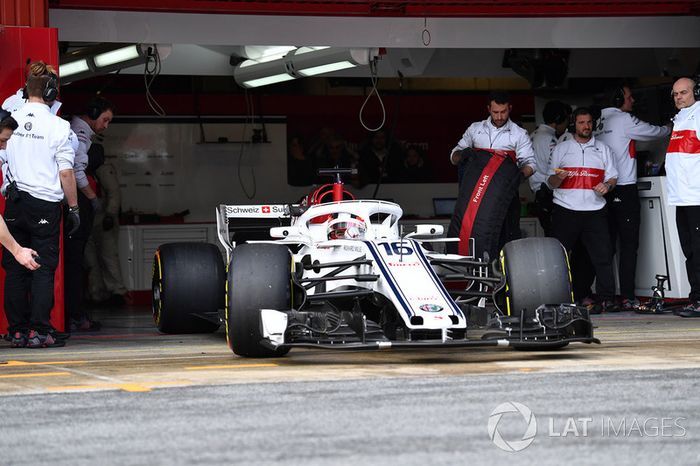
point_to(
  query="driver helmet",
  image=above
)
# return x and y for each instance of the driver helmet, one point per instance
(347, 228)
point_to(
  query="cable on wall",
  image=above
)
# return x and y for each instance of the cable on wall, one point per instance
(374, 79)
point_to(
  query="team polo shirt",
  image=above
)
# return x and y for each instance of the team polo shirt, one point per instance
(683, 158)
(544, 139)
(618, 130)
(510, 139)
(589, 163)
(39, 148)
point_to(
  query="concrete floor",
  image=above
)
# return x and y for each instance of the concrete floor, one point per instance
(130, 355)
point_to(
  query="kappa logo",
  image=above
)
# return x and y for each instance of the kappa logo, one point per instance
(30, 115)
(28, 126)
(43, 221)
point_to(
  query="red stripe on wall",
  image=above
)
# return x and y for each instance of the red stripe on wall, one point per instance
(685, 141)
(477, 196)
(582, 178)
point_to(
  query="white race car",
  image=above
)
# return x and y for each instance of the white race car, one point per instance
(344, 275)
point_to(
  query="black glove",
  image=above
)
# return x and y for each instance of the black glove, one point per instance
(107, 223)
(96, 204)
(73, 220)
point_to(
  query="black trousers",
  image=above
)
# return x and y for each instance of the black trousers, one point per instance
(624, 217)
(34, 223)
(544, 203)
(688, 224)
(73, 259)
(511, 224)
(591, 227)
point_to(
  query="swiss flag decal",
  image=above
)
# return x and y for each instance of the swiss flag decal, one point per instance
(266, 209)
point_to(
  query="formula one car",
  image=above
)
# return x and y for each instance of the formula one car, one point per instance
(340, 273)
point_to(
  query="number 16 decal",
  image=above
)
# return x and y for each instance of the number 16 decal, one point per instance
(397, 248)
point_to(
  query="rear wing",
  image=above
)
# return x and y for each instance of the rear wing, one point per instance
(237, 223)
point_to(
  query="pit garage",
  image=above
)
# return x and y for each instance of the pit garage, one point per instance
(278, 284)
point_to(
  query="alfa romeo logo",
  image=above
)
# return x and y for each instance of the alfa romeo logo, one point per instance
(495, 419)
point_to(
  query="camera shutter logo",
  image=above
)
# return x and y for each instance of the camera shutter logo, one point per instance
(495, 419)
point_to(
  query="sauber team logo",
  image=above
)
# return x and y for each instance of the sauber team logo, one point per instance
(28, 126)
(430, 308)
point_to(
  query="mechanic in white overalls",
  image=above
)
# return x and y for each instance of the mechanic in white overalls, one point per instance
(39, 176)
(582, 172)
(619, 129)
(498, 134)
(683, 182)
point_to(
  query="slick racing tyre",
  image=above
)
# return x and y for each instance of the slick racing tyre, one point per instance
(188, 287)
(486, 190)
(536, 272)
(259, 277)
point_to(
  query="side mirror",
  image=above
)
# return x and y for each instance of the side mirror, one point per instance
(427, 230)
(284, 232)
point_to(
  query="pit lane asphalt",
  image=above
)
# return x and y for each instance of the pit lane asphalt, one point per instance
(128, 395)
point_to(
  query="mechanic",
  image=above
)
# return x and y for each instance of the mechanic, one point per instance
(581, 172)
(39, 175)
(105, 282)
(25, 256)
(619, 129)
(556, 119)
(498, 134)
(96, 118)
(682, 175)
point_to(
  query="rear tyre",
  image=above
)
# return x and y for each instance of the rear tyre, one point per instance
(259, 277)
(537, 272)
(187, 288)
(487, 188)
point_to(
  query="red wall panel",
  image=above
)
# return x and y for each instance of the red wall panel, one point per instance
(33, 13)
(398, 8)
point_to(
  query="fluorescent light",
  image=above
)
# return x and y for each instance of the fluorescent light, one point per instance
(278, 78)
(74, 67)
(314, 70)
(117, 56)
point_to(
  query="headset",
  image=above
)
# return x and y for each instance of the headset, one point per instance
(4, 114)
(618, 97)
(96, 107)
(51, 88)
(696, 88)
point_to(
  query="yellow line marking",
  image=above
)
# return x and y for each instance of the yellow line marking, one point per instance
(47, 363)
(229, 366)
(33, 374)
(128, 387)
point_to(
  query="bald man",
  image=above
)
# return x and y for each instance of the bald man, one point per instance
(682, 174)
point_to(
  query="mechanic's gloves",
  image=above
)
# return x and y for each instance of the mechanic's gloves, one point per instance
(107, 223)
(96, 204)
(73, 220)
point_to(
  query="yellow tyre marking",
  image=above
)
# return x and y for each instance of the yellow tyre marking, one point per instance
(503, 268)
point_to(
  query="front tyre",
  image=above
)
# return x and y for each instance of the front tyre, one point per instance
(259, 277)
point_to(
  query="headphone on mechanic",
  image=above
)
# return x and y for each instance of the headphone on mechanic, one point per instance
(618, 97)
(96, 107)
(50, 92)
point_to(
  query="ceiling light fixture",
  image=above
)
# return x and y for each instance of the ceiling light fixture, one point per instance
(302, 62)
